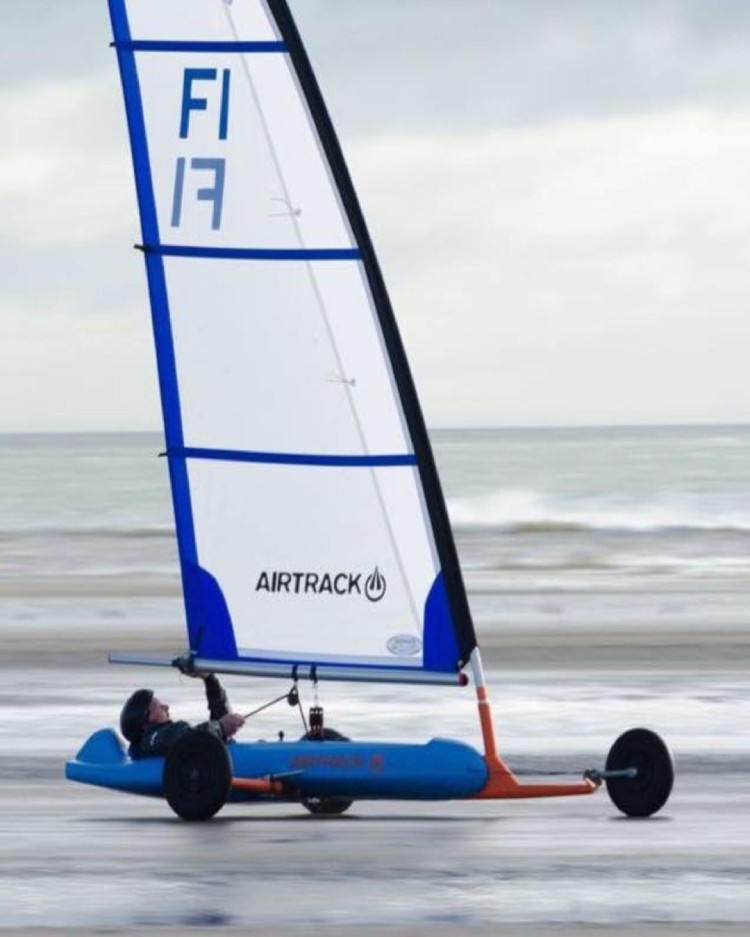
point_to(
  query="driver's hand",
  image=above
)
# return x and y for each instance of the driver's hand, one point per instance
(231, 723)
(185, 666)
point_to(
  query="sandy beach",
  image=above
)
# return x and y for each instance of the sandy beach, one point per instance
(92, 861)
(532, 646)
(507, 930)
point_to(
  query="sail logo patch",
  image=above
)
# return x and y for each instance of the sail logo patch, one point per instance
(282, 582)
(404, 645)
(202, 178)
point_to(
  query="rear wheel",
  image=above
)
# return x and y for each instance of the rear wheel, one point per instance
(197, 776)
(326, 806)
(647, 792)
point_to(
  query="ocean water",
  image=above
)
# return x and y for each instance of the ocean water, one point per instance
(628, 528)
(618, 527)
(600, 505)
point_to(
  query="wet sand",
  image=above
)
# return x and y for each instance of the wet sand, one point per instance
(80, 859)
(506, 930)
(534, 646)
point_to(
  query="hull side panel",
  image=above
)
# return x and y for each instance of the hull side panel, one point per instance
(438, 770)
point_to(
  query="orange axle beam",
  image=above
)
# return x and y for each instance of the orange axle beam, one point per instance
(502, 784)
(257, 785)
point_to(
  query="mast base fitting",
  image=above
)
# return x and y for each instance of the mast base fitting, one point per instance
(316, 730)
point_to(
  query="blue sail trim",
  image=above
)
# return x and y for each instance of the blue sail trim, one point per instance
(293, 458)
(441, 652)
(165, 356)
(158, 45)
(212, 634)
(251, 253)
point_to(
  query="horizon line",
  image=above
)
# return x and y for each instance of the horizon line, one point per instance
(477, 428)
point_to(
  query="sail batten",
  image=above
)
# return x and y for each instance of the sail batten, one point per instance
(296, 458)
(310, 520)
(253, 253)
(155, 45)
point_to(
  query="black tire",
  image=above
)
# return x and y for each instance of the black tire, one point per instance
(649, 790)
(197, 776)
(326, 806)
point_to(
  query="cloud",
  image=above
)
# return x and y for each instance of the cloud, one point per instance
(432, 64)
(62, 165)
(555, 191)
(76, 351)
(590, 264)
(75, 371)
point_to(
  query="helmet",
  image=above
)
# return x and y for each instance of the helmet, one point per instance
(134, 715)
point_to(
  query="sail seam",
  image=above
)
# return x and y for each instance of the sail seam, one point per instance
(294, 458)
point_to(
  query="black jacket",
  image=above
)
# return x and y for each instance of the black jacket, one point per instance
(159, 738)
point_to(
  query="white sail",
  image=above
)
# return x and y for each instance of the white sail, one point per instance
(309, 517)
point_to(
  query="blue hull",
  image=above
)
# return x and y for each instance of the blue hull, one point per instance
(441, 769)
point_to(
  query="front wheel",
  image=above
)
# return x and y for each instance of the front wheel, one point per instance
(647, 792)
(326, 806)
(197, 776)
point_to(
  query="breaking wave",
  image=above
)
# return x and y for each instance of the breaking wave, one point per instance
(518, 511)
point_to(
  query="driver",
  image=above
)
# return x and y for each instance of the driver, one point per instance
(145, 722)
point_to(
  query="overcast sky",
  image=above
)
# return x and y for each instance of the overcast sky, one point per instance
(558, 191)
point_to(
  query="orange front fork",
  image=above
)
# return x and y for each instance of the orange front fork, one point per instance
(501, 783)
